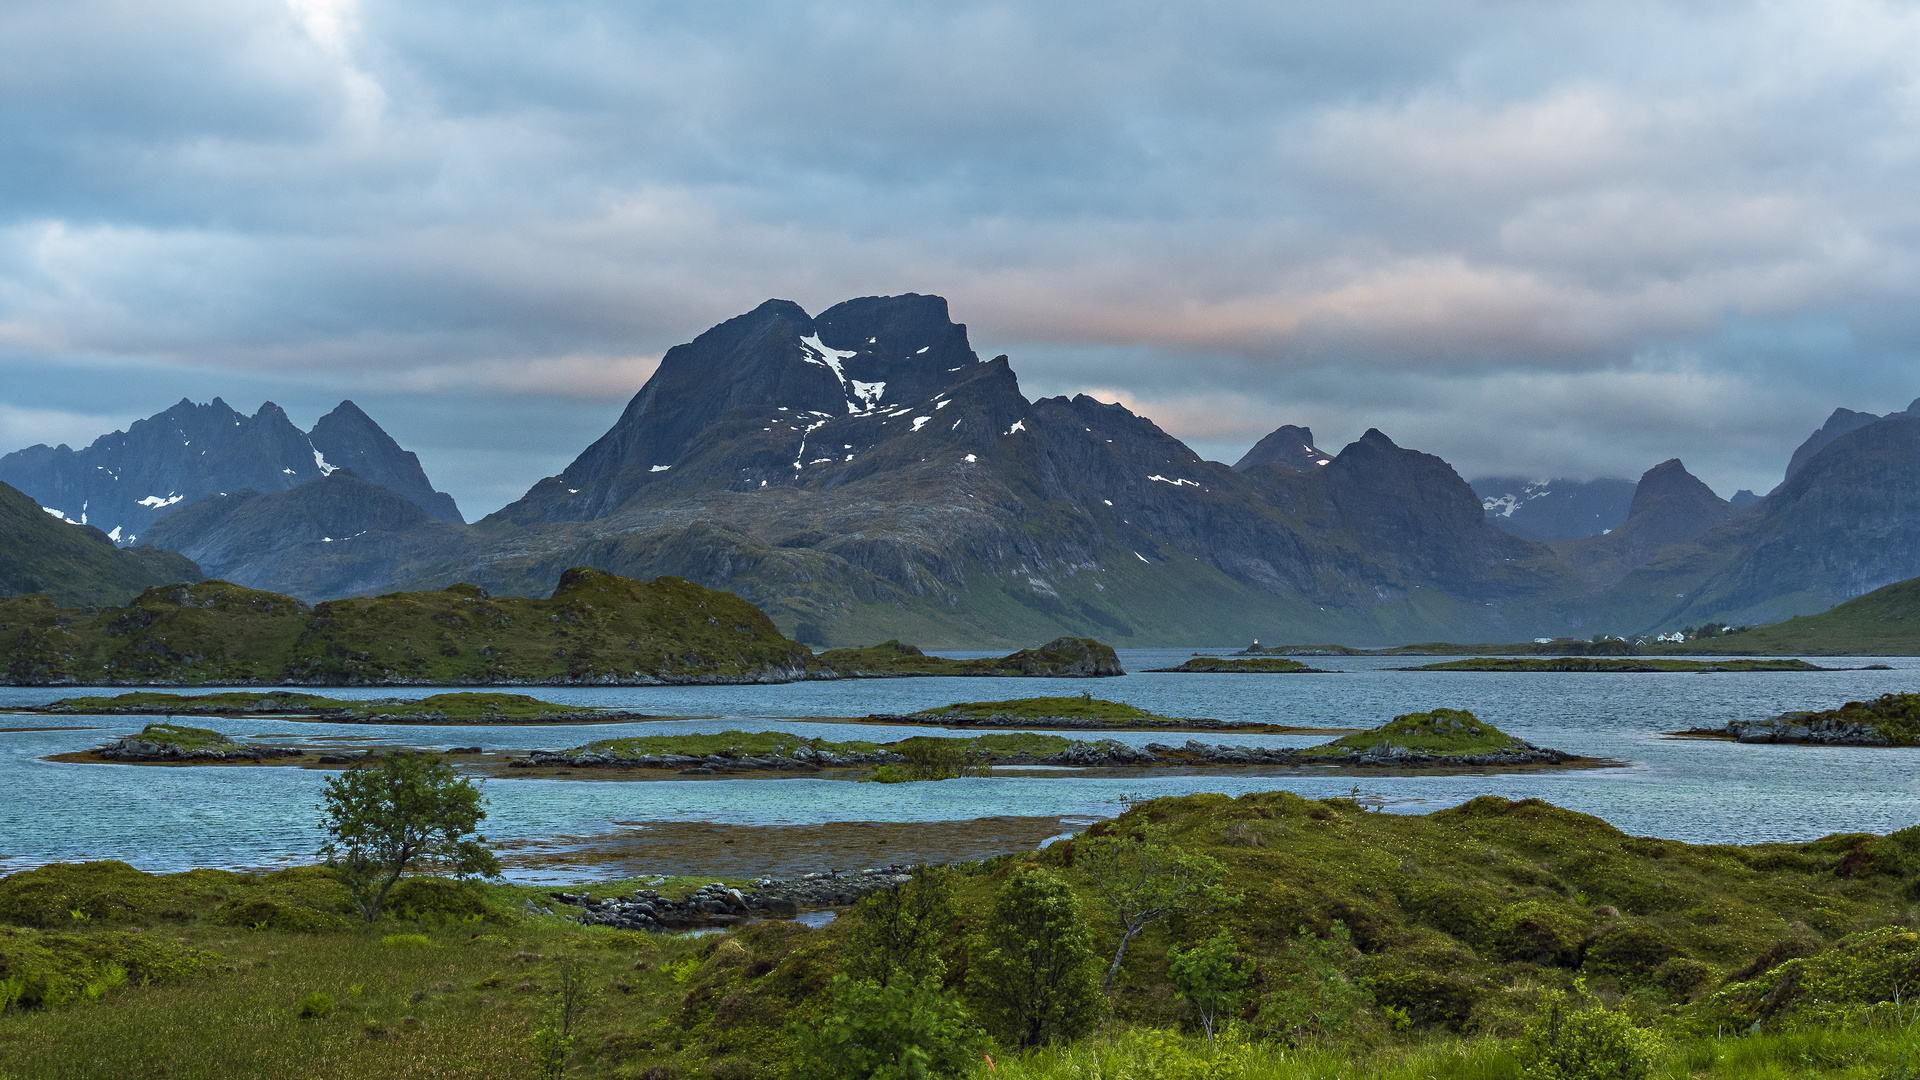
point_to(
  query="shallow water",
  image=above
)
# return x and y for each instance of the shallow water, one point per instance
(1698, 791)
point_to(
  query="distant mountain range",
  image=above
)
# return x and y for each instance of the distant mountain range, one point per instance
(863, 474)
(127, 480)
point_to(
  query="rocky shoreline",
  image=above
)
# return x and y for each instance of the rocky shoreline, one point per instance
(1807, 729)
(134, 748)
(1107, 753)
(717, 905)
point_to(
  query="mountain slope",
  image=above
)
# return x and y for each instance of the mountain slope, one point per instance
(1286, 445)
(76, 565)
(349, 439)
(336, 536)
(1847, 523)
(1670, 507)
(1838, 424)
(127, 480)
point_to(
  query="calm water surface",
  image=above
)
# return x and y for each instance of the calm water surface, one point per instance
(170, 818)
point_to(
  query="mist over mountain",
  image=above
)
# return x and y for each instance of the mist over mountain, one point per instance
(1547, 510)
(125, 481)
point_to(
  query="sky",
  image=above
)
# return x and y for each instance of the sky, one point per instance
(1534, 238)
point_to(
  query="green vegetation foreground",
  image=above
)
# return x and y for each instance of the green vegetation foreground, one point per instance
(1312, 938)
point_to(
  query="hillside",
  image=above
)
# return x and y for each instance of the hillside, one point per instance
(1884, 622)
(76, 565)
(594, 628)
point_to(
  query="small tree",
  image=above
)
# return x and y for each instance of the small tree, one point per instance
(1318, 995)
(1208, 978)
(1144, 880)
(409, 808)
(552, 1042)
(1038, 981)
(907, 1030)
(898, 931)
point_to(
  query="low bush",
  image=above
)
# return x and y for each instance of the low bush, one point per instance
(442, 900)
(41, 969)
(315, 1006)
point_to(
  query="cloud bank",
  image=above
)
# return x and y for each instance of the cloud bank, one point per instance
(1566, 238)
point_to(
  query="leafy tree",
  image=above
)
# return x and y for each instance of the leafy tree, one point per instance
(408, 809)
(1038, 980)
(908, 1029)
(898, 931)
(1208, 978)
(1144, 880)
(1574, 1038)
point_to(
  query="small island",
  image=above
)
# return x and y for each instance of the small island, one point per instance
(1083, 713)
(1257, 665)
(1888, 720)
(1442, 738)
(477, 708)
(1061, 658)
(1604, 664)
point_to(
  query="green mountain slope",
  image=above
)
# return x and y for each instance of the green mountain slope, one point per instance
(1885, 622)
(76, 565)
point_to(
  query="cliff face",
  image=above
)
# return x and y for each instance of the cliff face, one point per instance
(1671, 507)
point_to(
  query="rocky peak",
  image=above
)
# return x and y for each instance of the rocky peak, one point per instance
(1841, 422)
(348, 438)
(1287, 446)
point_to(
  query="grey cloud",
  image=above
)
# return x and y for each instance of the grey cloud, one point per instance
(1638, 228)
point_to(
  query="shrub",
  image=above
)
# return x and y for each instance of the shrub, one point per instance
(441, 900)
(1631, 953)
(315, 1006)
(1038, 979)
(268, 913)
(39, 969)
(1537, 932)
(1208, 978)
(1572, 1038)
(900, 930)
(907, 1028)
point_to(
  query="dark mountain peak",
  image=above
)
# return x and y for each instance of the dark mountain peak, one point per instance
(1840, 423)
(1375, 435)
(347, 438)
(1287, 446)
(775, 372)
(1670, 484)
(1743, 499)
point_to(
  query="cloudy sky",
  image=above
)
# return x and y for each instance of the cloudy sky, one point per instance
(1567, 239)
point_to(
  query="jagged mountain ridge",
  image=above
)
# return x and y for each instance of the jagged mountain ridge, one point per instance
(1285, 445)
(125, 481)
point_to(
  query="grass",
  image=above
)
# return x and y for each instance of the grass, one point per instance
(1456, 920)
(896, 659)
(464, 705)
(1084, 707)
(187, 738)
(595, 627)
(1256, 664)
(724, 743)
(1643, 664)
(1442, 731)
(1896, 717)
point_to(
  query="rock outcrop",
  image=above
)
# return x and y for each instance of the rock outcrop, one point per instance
(719, 905)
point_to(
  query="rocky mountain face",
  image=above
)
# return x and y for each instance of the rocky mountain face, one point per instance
(76, 565)
(336, 536)
(1846, 523)
(864, 475)
(1841, 422)
(127, 480)
(1548, 510)
(1670, 507)
(1286, 445)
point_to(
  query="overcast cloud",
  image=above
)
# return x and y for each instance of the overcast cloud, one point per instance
(1567, 239)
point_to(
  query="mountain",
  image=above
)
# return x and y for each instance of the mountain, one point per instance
(1841, 422)
(1548, 510)
(1846, 523)
(1289, 446)
(76, 565)
(1884, 622)
(1743, 499)
(127, 480)
(1670, 507)
(864, 475)
(595, 628)
(336, 536)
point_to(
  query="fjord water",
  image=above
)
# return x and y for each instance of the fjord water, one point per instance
(164, 818)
